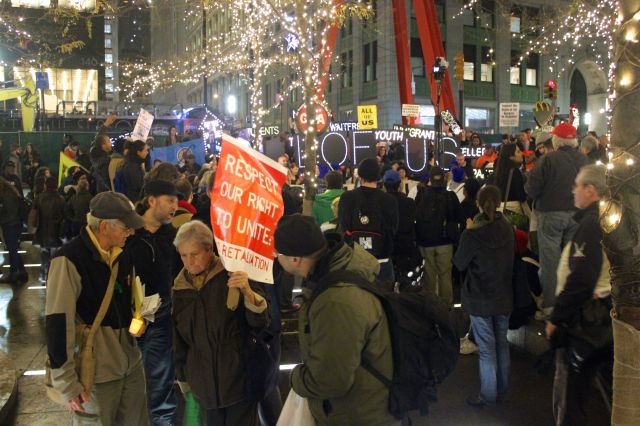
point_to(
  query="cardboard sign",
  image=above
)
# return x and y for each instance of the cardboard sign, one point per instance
(367, 117)
(509, 114)
(143, 126)
(246, 204)
(411, 110)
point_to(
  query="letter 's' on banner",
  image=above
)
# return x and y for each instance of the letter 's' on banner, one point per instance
(246, 204)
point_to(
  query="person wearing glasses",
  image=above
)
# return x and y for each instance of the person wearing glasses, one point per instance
(78, 280)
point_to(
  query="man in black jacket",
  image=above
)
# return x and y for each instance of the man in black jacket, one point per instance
(549, 185)
(99, 155)
(156, 262)
(584, 278)
(369, 217)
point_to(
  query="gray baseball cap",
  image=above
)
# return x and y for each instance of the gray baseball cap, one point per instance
(113, 205)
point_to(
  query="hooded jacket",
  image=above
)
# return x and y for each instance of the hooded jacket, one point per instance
(208, 337)
(50, 207)
(344, 325)
(100, 168)
(322, 205)
(486, 251)
(133, 177)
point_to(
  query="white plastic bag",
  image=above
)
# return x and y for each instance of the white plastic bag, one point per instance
(295, 412)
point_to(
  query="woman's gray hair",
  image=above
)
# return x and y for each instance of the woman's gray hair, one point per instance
(594, 175)
(195, 231)
(558, 142)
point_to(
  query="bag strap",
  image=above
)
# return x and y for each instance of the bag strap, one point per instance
(506, 194)
(104, 306)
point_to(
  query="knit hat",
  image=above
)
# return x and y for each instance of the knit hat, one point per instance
(436, 177)
(457, 174)
(298, 235)
(391, 176)
(369, 170)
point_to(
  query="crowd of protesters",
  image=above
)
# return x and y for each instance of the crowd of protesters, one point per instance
(464, 225)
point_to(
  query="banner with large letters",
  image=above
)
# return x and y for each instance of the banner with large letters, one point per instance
(246, 204)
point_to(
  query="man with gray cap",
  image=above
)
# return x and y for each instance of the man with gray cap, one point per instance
(79, 277)
(338, 327)
(368, 216)
(157, 263)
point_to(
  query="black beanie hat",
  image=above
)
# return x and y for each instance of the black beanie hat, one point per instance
(369, 170)
(298, 235)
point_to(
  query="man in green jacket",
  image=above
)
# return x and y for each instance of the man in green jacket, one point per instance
(322, 211)
(342, 326)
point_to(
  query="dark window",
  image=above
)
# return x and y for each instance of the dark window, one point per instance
(469, 51)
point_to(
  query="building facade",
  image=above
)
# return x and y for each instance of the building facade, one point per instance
(496, 70)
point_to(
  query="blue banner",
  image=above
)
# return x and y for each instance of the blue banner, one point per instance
(178, 153)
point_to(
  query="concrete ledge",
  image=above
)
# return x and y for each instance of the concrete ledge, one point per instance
(8, 387)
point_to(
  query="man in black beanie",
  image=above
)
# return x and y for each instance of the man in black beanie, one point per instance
(338, 327)
(369, 216)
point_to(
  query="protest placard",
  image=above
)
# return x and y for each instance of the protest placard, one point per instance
(246, 204)
(143, 126)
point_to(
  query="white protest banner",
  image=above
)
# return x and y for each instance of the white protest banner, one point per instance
(246, 204)
(411, 110)
(143, 126)
(509, 114)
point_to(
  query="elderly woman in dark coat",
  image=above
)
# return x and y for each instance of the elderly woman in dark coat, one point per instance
(212, 311)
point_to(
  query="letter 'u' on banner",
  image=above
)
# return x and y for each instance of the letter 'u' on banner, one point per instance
(246, 205)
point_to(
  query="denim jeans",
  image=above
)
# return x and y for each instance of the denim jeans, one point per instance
(490, 334)
(11, 232)
(555, 230)
(156, 345)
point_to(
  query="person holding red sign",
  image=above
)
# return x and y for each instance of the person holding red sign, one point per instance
(210, 325)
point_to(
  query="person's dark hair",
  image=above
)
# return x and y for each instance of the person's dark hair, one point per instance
(118, 145)
(99, 140)
(74, 143)
(392, 186)
(136, 146)
(471, 188)
(184, 188)
(334, 180)
(489, 200)
(72, 170)
(504, 164)
(77, 175)
(51, 183)
(163, 171)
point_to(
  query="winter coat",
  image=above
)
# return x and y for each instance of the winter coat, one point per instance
(486, 251)
(77, 206)
(100, 168)
(322, 211)
(116, 162)
(516, 190)
(404, 242)
(208, 337)
(584, 268)
(50, 207)
(155, 259)
(133, 175)
(344, 325)
(550, 182)
(9, 207)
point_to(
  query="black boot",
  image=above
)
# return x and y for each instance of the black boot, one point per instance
(22, 276)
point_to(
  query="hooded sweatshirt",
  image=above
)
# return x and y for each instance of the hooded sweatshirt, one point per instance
(486, 252)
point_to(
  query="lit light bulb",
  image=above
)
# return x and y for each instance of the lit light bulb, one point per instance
(610, 166)
(610, 215)
(630, 161)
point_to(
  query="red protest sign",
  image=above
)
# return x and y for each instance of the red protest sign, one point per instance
(246, 204)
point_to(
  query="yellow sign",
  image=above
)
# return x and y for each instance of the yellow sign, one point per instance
(65, 164)
(367, 117)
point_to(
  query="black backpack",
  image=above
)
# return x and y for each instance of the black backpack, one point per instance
(366, 226)
(424, 340)
(436, 215)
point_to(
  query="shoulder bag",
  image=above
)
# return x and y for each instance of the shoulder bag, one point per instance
(85, 359)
